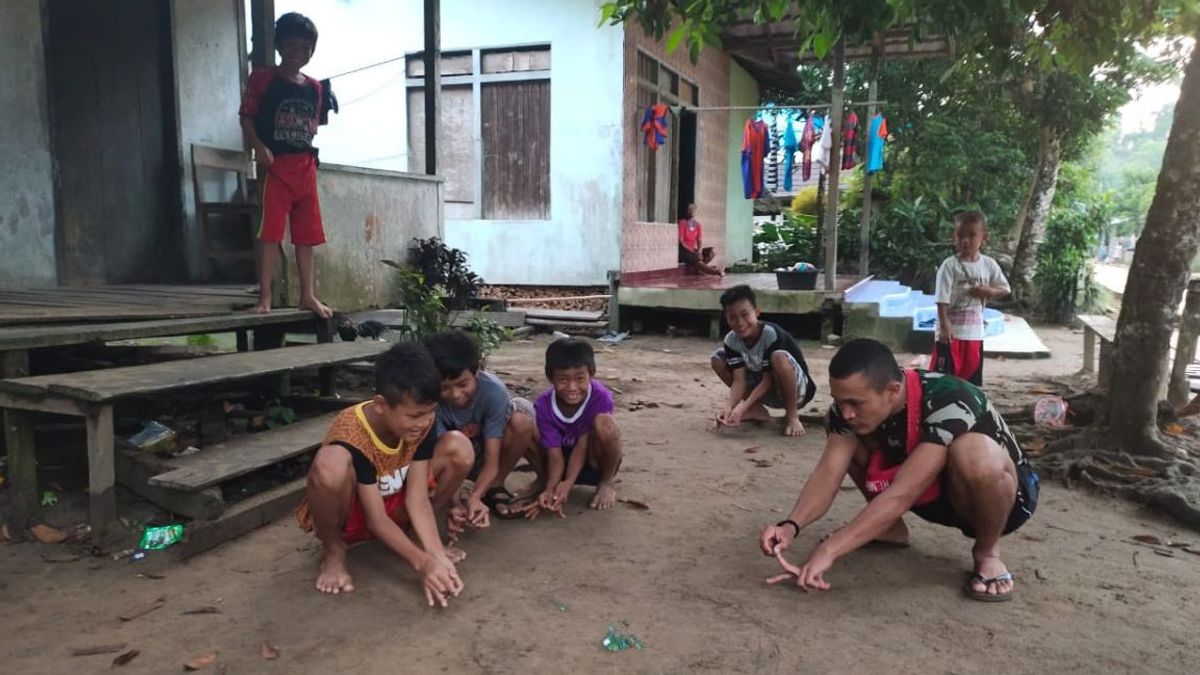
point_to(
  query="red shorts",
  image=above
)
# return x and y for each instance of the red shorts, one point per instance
(289, 193)
(961, 358)
(356, 530)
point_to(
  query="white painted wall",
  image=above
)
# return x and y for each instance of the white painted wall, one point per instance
(580, 241)
(208, 65)
(26, 183)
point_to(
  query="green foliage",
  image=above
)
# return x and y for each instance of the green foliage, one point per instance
(489, 335)
(1064, 284)
(445, 267)
(279, 415)
(909, 240)
(785, 243)
(424, 311)
(805, 201)
(204, 340)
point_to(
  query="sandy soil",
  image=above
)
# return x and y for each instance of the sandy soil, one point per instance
(685, 576)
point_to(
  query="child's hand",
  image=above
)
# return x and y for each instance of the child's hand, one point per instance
(561, 492)
(478, 514)
(734, 417)
(264, 156)
(982, 292)
(440, 579)
(456, 521)
(545, 502)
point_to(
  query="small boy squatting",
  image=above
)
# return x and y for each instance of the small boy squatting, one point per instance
(281, 110)
(760, 363)
(382, 470)
(501, 427)
(965, 282)
(580, 441)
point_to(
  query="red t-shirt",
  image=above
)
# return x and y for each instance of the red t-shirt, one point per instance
(689, 237)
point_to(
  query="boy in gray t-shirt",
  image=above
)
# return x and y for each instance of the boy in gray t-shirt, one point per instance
(501, 427)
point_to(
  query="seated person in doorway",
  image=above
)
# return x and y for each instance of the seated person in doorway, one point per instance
(580, 441)
(915, 441)
(692, 251)
(382, 473)
(761, 363)
(501, 427)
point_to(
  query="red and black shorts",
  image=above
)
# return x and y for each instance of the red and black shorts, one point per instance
(960, 358)
(289, 196)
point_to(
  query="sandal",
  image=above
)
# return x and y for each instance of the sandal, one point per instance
(976, 577)
(504, 504)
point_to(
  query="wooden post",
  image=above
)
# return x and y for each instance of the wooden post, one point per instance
(262, 28)
(614, 304)
(835, 163)
(1089, 349)
(22, 464)
(1179, 391)
(102, 475)
(433, 82)
(864, 230)
(327, 376)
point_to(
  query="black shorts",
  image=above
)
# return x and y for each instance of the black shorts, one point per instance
(941, 511)
(588, 475)
(688, 256)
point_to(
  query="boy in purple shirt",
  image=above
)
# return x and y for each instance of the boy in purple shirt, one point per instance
(580, 441)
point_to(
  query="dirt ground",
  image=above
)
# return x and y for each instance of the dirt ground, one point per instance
(684, 576)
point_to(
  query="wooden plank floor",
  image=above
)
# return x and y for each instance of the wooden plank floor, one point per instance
(120, 303)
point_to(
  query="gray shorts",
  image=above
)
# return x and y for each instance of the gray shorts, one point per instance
(773, 399)
(516, 404)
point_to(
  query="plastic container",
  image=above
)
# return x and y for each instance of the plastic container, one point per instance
(796, 281)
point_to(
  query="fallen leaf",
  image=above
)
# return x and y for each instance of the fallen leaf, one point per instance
(615, 390)
(1174, 429)
(1166, 553)
(60, 557)
(762, 463)
(634, 503)
(48, 535)
(638, 379)
(98, 649)
(268, 651)
(202, 610)
(656, 442)
(752, 449)
(1035, 446)
(125, 658)
(1147, 539)
(144, 610)
(201, 661)
(5, 533)
(152, 575)
(1033, 537)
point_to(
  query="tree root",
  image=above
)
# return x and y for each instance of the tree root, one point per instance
(1162, 479)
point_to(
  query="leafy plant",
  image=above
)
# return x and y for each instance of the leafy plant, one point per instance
(424, 311)
(279, 415)
(785, 243)
(489, 335)
(1064, 284)
(445, 267)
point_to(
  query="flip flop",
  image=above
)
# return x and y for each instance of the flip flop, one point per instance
(976, 577)
(504, 504)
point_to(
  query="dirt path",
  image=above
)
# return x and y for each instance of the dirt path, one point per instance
(684, 576)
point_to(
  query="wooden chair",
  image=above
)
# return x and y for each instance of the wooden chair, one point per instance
(241, 208)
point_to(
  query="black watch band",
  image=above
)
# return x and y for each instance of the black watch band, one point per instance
(794, 524)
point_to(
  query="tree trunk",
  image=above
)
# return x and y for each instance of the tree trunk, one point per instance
(1161, 264)
(1035, 211)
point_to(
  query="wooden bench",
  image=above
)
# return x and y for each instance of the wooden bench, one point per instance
(1102, 327)
(92, 394)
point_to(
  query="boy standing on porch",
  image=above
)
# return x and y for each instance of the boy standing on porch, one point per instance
(280, 112)
(965, 282)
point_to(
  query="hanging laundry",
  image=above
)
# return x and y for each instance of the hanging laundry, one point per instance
(876, 138)
(825, 146)
(774, 161)
(807, 138)
(850, 142)
(789, 154)
(756, 143)
(654, 125)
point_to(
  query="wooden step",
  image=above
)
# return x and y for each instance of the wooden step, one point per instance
(243, 454)
(241, 518)
(101, 386)
(562, 315)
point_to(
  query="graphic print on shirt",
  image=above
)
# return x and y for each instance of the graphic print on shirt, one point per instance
(295, 122)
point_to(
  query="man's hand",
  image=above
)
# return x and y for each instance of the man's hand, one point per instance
(776, 538)
(810, 576)
(264, 156)
(440, 579)
(478, 514)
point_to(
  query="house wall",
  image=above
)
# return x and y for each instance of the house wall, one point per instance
(370, 215)
(26, 170)
(209, 70)
(580, 241)
(653, 246)
(739, 211)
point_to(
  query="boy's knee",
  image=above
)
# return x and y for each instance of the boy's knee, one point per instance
(521, 424)
(455, 448)
(331, 467)
(605, 426)
(780, 360)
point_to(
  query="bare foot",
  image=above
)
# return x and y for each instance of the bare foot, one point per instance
(606, 496)
(334, 578)
(263, 306)
(316, 307)
(988, 566)
(793, 427)
(758, 413)
(455, 554)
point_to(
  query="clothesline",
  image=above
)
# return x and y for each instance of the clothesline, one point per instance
(817, 106)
